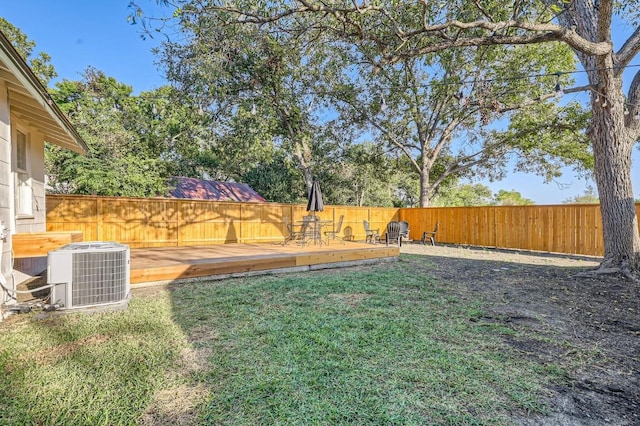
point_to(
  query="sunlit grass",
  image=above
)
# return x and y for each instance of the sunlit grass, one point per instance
(87, 369)
(385, 344)
(379, 346)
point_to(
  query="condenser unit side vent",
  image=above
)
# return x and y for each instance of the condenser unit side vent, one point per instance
(89, 274)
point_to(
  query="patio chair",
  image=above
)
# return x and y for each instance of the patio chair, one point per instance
(393, 233)
(298, 234)
(333, 234)
(404, 230)
(371, 235)
(430, 235)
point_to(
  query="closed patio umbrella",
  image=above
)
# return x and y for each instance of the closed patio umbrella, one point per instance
(314, 203)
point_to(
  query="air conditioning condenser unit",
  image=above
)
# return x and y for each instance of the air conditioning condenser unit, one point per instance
(89, 274)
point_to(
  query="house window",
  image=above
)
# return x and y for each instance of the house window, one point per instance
(23, 187)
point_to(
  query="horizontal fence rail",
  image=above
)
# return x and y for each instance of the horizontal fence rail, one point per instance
(162, 222)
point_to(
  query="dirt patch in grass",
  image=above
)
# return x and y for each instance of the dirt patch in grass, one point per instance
(588, 326)
(52, 354)
(175, 406)
(204, 333)
(179, 404)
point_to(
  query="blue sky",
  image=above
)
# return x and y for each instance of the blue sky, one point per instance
(82, 33)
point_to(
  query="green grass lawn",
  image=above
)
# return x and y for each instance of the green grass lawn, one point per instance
(380, 345)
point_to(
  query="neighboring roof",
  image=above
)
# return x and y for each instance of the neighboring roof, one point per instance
(201, 189)
(30, 101)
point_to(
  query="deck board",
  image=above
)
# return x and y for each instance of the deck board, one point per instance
(37, 244)
(161, 264)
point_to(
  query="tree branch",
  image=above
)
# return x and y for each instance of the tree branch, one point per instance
(445, 137)
(403, 147)
(568, 36)
(605, 10)
(482, 10)
(628, 51)
(537, 32)
(457, 168)
(633, 124)
(576, 89)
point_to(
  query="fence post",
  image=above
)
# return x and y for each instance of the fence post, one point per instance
(179, 203)
(99, 219)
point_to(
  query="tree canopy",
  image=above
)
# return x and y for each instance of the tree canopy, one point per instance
(447, 112)
(120, 161)
(399, 31)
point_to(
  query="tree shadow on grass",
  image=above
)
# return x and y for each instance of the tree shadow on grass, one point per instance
(587, 326)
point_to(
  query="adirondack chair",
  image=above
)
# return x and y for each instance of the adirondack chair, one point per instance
(372, 235)
(430, 235)
(404, 230)
(394, 234)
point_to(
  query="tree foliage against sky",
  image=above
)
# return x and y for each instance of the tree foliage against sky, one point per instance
(298, 97)
(252, 82)
(479, 195)
(120, 161)
(445, 111)
(402, 30)
(449, 114)
(39, 63)
(590, 196)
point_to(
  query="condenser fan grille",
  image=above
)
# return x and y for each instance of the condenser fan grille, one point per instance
(99, 277)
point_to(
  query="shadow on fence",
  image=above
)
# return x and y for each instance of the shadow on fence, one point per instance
(162, 222)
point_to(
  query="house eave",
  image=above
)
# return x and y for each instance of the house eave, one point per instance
(30, 101)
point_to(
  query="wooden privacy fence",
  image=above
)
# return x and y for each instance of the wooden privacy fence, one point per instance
(162, 222)
(567, 228)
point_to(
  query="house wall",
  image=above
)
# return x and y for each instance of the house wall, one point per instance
(6, 192)
(24, 269)
(36, 222)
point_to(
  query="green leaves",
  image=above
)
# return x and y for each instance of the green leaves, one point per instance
(548, 137)
(40, 64)
(125, 156)
(555, 8)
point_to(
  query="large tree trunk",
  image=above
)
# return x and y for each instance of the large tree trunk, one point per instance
(612, 147)
(302, 154)
(611, 140)
(424, 189)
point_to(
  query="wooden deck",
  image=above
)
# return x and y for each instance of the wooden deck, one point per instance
(162, 264)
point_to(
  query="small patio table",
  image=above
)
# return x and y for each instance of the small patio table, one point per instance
(315, 230)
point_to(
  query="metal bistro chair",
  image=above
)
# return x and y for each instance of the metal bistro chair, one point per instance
(298, 235)
(336, 230)
(311, 229)
(372, 235)
(430, 235)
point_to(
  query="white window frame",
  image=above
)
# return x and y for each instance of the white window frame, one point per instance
(23, 188)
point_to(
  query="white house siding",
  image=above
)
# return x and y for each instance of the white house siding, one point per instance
(23, 269)
(26, 106)
(37, 223)
(6, 185)
(28, 268)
